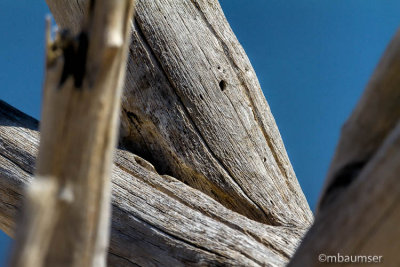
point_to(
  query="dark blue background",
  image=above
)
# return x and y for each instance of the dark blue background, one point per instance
(313, 58)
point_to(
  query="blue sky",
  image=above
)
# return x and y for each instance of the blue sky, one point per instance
(313, 58)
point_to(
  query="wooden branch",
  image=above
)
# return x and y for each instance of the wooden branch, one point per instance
(193, 107)
(156, 219)
(373, 119)
(66, 214)
(359, 210)
(364, 219)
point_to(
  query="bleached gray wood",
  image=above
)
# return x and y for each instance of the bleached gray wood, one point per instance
(194, 108)
(66, 214)
(157, 220)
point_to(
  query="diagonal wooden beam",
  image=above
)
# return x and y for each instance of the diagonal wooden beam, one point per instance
(156, 219)
(359, 210)
(194, 108)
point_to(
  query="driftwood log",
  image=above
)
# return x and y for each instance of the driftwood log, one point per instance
(156, 220)
(193, 107)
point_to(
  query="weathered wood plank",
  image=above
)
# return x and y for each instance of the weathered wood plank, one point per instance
(194, 108)
(156, 219)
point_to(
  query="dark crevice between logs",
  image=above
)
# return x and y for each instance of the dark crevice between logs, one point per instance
(342, 180)
(141, 151)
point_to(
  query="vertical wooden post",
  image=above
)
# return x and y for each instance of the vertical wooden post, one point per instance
(67, 207)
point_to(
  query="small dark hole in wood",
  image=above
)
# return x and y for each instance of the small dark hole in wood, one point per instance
(264, 159)
(219, 67)
(201, 96)
(222, 85)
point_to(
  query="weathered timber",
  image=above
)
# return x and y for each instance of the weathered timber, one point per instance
(374, 117)
(157, 220)
(194, 108)
(359, 210)
(66, 214)
(364, 219)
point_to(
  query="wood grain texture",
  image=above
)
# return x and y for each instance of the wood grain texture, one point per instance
(194, 108)
(66, 214)
(157, 220)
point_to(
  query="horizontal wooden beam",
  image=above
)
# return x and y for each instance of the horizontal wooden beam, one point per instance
(156, 219)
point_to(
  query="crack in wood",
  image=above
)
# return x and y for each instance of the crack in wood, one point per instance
(255, 111)
(269, 219)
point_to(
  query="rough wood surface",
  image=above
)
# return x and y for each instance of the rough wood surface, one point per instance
(157, 220)
(66, 214)
(194, 108)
